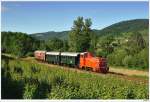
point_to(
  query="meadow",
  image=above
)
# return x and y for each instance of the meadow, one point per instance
(32, 80)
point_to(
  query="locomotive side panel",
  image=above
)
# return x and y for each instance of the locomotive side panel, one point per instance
(97, 64)
(86, 60)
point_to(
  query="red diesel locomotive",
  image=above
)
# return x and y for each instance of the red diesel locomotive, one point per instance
(77, 60)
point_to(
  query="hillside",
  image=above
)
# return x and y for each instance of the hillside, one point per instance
(117, 28)
(126, 26)
(50, 34)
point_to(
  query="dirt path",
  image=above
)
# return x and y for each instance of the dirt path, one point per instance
(129, 72)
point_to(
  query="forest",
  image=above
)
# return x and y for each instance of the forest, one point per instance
(123, 44)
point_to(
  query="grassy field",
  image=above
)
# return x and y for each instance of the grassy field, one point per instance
(33, 80)
(129, 72)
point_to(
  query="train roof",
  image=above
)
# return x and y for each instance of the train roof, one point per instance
(52, 53)
(69, 54)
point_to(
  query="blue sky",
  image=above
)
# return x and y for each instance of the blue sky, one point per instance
(33, 17)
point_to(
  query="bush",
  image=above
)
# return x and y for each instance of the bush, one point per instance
(116, 57)
(143, 55)
(29, 91)
(31, 54)
(128, 61)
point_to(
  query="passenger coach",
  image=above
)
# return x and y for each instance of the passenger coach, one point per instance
(70, 58)
(53, 57)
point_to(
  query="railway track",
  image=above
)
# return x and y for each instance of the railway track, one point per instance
(124, 76)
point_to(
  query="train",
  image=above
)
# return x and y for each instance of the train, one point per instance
(82, 60)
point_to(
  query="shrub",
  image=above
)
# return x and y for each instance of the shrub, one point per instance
(116, 57)
(29, 91)
(128, 61)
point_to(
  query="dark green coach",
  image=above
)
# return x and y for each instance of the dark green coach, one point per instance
(53, 57)
(70, 59)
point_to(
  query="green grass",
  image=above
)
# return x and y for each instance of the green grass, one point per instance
(142, 77)
(31, 80)
(129, 68)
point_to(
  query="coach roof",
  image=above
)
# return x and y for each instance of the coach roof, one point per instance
(69, 54)
(52, 53)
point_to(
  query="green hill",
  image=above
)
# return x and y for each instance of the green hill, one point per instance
(125, 26)
(117, 28)
(51, 34)
(125, 44)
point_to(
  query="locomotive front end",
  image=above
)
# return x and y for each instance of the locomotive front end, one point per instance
(103, 65)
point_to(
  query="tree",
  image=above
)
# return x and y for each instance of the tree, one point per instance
(19, 44)
(93, 43)
(54, 44)
(65, 45)
(79, 37)
(136, 43)
(105, 44)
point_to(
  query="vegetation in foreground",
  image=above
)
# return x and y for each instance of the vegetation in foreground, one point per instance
(30, 80)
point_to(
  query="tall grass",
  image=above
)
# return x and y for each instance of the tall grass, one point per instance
(31, 80)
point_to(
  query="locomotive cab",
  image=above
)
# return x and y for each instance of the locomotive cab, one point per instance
(97, 64)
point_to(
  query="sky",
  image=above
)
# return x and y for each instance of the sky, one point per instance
(35, 17)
